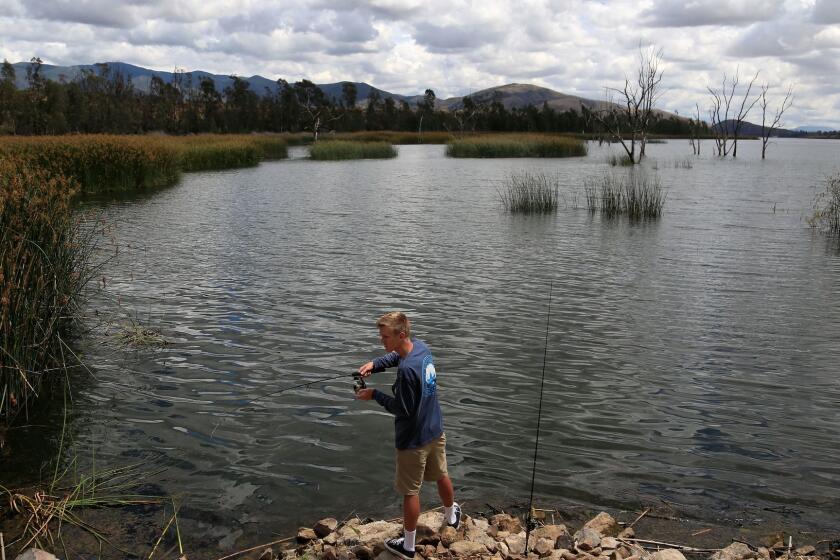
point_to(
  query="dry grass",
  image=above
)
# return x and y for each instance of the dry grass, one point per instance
(45, 511)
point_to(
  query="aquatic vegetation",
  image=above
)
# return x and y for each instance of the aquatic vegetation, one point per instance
(43, 268)
(99, 162)
(516, 145)
(139, 336)
(344, 149)
(636, 194)
(616, 160)
(109, 162)
(826, 205)
(395, 137)
(530, 193)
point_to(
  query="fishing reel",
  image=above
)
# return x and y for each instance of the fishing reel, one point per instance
(358, 382)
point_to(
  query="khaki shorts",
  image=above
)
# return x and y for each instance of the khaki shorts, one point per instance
(419, 464)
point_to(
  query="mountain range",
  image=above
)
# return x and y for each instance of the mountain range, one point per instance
(510, 95)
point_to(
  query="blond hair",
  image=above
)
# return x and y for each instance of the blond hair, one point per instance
(396, 321)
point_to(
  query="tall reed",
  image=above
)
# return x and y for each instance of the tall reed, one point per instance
(100, 162)
(109, 162)
(636, 194)
(343, 149)
(516, 145)
(43, 267)
(826, 216)
(530, 193)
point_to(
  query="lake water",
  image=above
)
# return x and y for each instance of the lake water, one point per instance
(692, 359)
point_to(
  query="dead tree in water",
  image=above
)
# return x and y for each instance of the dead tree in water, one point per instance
(766, 130)
(726, 121)
(629, 118)
(695, 130)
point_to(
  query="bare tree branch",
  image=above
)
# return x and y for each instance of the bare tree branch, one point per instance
(767, 131)
(629, 120)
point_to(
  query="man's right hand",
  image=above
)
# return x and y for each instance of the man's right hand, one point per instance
(366, 369)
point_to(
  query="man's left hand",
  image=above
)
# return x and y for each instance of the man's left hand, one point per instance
(364, 394)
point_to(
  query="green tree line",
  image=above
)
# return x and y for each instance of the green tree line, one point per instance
(106, 101)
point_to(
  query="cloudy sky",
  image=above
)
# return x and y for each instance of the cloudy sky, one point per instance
(454, 46)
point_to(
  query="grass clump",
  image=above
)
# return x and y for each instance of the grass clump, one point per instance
(333, 150)
(44, 256)
(516, 145)
(636, 194)
(826, 216)
(530, 193)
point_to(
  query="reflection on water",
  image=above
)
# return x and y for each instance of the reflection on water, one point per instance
(691, 359)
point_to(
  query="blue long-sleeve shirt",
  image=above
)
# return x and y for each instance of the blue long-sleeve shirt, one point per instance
(417, 416)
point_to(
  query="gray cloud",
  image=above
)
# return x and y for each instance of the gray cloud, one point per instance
(350, 27)
(826, 12)
(679, 13)
(389, 10)
(781, 39)
(455, 37)
(93, 12)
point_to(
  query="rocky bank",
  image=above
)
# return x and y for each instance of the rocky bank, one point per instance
(503, 537)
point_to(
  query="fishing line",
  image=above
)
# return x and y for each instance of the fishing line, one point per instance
(530, 521)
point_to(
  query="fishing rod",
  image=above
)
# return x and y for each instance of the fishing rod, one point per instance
(530, 522)
(358, 384)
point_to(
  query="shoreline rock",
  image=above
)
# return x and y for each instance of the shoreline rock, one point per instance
(503, 537)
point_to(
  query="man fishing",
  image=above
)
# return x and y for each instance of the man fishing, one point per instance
(418, 425)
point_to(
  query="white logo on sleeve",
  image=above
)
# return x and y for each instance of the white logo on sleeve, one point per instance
(429, 376)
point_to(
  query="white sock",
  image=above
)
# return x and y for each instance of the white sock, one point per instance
(449, 512)
(408, 542)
